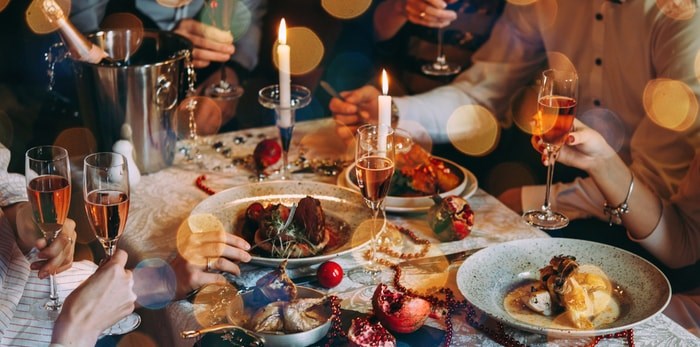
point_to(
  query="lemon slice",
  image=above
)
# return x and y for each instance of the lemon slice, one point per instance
(204, 222)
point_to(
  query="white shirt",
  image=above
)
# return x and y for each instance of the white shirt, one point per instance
(617, 50)
(20, 288)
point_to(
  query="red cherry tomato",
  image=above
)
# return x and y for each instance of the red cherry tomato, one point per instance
(329, 274)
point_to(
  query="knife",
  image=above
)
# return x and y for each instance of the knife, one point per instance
(438, 263)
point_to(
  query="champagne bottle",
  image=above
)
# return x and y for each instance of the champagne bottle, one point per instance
(79, 46)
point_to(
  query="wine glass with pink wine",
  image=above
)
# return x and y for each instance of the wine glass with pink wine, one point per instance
(106, 194)
(556, 110)
(47, 172)
(374, 167)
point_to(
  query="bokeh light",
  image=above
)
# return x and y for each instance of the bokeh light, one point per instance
(214, 302)
(77, 141)
(508, 175)
(677, 9)
(559, 61)
(3, 4)
(363, 234)
(36, 19)
(670, 104)
(6, 129)
(184, 233)
(522, 2)
(136, 338)
(419, 135)
(173, 3)
(697, 66)
(306, 50)
(154, 294)
(123, 37)
(608, 124)
(523, 107)
(206, 113)
(344, 9)
(473, 130)
(228, 15)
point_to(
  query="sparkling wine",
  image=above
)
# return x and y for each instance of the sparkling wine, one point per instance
(49, 196)
(107, 211)
(374, 177)
(555, 118)
(79, 46)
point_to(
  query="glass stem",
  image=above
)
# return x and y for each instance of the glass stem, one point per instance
(53, 294)
(551, 153)
(223, 75)
(109, 246)
(440, 54)
(373, 236)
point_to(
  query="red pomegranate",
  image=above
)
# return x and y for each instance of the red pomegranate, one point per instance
(451, 218)
(365, 333)
(267, 153)
(399, 312)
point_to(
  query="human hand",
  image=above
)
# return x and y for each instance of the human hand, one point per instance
(210, 43)
(430, 13)
(356, 108)
(201, 253)
(584, 148)
(55, 258)
(98, 303)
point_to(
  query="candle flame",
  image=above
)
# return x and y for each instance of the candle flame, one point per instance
(385, 82)
(282, 34)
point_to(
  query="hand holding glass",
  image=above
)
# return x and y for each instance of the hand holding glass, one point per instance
(106, 193)
(556, 110)
(47, 172)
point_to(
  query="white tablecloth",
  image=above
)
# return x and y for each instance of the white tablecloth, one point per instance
(164, 199)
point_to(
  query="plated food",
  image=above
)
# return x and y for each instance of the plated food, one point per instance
(413, 200)
(568, 295)
(341, 207)
(638, 289)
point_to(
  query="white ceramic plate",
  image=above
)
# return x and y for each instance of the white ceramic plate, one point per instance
(487, 276)
(230, 205)
(466, 188)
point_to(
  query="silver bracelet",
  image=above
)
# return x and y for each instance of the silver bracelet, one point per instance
(616, 212)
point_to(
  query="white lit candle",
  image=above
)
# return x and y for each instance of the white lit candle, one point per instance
(384, 111)
(284, 79)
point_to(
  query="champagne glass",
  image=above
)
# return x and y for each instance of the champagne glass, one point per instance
(374, 167)
(219, 13)
(556, 110)
(106, 194)
(47, 171)
(440, 67)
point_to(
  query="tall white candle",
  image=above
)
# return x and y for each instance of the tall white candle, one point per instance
(384, 111)
(284, 76)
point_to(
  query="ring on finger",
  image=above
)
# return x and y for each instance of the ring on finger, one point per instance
(209, 266)
(70, 240)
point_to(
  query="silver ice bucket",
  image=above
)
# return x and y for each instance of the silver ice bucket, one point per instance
(137, 98)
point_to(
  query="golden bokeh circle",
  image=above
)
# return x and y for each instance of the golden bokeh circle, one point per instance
(136, 338)
(697, 66)
(473, 130)
(206, 112)
(3, 4)
(523, 108)
(670, 104)
(677, 9)
(37, 21)
(522, 2)
(306, 50)
(344, 9)
(214, 301)
(559, 61)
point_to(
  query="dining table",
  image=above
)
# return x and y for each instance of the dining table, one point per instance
(163, 200)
